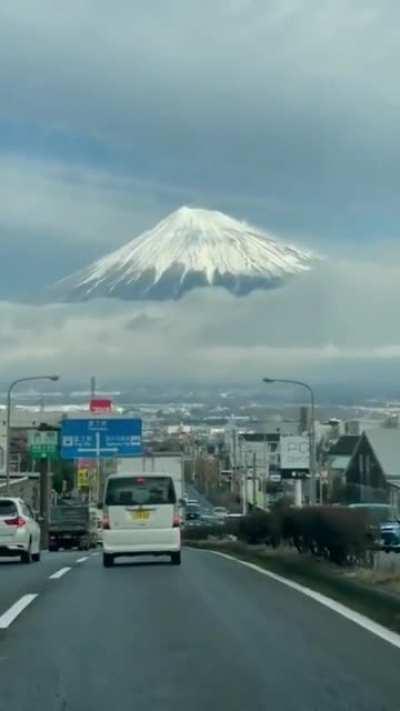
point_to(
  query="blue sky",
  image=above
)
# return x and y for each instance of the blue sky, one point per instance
(281, 112)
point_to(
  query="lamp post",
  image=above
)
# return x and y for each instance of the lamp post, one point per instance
(8, 419)
(311, 429)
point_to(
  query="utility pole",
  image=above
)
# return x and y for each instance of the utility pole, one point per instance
(44, 469)
(234, 455)
(243, 471)
(265, 471)
(97, 485)
(93, 387)
(234, 462)
(254, 479)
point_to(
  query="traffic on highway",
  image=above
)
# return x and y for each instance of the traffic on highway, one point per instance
(76, 634)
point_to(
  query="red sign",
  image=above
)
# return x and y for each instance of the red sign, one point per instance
(100, 405)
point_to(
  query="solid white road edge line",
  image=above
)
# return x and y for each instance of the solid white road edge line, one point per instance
(82, 560)
(9, 616)
(59, 573)
(374, 627)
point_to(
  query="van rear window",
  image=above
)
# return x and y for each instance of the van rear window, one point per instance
(140, 491)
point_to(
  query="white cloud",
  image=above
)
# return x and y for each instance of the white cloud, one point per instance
(340, 316)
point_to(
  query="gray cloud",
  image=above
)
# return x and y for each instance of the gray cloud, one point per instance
(56, 218)
(287, 108)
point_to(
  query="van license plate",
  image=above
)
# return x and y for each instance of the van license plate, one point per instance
(141, 515)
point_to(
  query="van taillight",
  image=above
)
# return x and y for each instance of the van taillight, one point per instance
(106, 522)
(18, 521)
(176, 521)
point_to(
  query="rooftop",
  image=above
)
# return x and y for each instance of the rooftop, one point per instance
(344, 446)
(386, 446)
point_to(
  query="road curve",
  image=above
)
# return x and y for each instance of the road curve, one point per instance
(211, 634)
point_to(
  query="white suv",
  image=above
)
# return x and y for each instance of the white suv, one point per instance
(19, 531)
(141, 517)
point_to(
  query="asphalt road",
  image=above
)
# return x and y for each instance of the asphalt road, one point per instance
(210, 634)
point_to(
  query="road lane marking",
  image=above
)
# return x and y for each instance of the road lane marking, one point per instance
(59, 573)
(361, 620)
(82, 560)
(9, 616)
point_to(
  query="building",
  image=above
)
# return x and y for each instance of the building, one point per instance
(337, 459)
(373, 473)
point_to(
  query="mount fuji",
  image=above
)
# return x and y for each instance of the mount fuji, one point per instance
(190, 248)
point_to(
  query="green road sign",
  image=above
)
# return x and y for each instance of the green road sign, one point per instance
(43, 444)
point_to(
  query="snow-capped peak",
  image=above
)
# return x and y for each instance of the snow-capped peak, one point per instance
(189, 248)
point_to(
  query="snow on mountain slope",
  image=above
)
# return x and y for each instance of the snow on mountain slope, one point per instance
(189, 248)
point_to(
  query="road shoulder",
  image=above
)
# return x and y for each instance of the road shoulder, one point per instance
(378, 605)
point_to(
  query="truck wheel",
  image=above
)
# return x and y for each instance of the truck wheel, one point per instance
(108, 560)
(176, 558)
(36, 557)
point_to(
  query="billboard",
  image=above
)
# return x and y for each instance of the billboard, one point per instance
(101, 438)
(295, 453)
(104, 405)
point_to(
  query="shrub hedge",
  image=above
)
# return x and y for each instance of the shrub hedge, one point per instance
(338, 534)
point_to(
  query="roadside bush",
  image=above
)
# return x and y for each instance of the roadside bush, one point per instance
(201, 533)
(231, 526)
(260, 527)
(337, 534)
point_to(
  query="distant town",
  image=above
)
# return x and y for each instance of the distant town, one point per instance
(232, 443)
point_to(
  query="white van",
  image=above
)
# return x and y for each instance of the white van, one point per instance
(140, 517)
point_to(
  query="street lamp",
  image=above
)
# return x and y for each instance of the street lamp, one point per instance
(311, 429)
(8, 420)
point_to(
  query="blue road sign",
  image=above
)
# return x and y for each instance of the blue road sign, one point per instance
(101, 438)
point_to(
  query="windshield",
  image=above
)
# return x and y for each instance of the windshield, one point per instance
(140, 491)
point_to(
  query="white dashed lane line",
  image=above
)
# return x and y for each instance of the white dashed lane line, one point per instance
(10, 615)
(59, 573)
